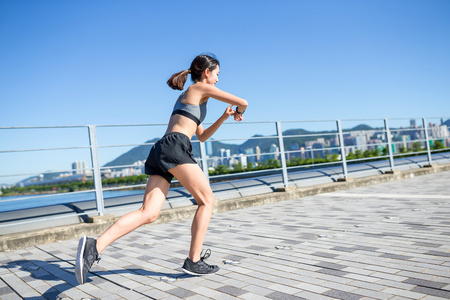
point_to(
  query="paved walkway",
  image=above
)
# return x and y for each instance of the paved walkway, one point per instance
(387, 241)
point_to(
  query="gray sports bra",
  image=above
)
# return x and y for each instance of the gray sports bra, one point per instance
(197, 113)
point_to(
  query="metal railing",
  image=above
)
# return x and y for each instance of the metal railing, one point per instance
(281, 155)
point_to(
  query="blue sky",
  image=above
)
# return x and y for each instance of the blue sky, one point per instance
(107, 62)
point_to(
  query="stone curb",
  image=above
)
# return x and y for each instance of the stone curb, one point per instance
(97, 225)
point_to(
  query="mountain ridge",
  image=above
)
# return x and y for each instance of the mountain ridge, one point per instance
(264, 143)
(140, 153)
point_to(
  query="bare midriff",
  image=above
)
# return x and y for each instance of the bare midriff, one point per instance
(182, 124)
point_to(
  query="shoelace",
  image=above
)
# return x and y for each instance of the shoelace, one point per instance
(206, 255)
(97, 259)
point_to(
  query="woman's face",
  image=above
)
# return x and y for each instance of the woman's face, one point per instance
(212, 77)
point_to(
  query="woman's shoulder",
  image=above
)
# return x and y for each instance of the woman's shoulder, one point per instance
(193, 95)
(199, 89)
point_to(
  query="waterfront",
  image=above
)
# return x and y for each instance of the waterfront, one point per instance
(58, 209)
(11, 203)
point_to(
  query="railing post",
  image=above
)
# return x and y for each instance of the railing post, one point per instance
(283, 154)
(204, 159)
(341, 143)
(389, 144)
(96, 170)
(427, 140)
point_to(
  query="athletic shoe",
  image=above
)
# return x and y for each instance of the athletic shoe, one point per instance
(86, 255)
(200, 267)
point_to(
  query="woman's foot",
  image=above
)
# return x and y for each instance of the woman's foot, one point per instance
(86, 255)
(200, 267)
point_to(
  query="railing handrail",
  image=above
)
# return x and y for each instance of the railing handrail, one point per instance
(228, 122)
(340, 148)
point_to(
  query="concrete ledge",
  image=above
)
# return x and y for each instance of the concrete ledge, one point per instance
(101, 219)
(285, 189)
(98, 225)
(395, 172)
(346, 179)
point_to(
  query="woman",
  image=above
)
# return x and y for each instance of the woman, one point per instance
(171, 157)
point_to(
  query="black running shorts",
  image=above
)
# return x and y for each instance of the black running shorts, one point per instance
(171, 150)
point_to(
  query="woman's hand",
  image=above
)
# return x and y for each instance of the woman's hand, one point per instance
(238, 117)
(231, 112)
(228, 112)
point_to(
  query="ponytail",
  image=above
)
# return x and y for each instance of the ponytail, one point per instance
(198, 65)
(178, 80)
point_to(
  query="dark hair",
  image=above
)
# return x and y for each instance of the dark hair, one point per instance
(198, 65)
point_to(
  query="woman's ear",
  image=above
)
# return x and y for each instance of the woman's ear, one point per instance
(207, 73)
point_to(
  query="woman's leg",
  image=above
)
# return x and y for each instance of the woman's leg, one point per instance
(194, 180)
(154, 197)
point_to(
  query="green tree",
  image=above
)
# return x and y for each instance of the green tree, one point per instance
(221, 169)
(273, 163)
(416, 147)
(438, 145)
(238, 167)
(375, 152)
(359, 154)
(351, 156)
(367, 153)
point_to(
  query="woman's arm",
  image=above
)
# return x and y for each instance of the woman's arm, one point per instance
(209, 90)
(204, 134)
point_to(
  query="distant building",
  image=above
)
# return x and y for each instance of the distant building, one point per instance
(406, 139)
(293, 151)
(319, 150)
(235, 159)
(106, 173)
(309, 152)
(258, 153)
(209, 148)
(361, 142)
(274, 151)
(250, 152)
(302, 152)
(213, 162)
(224, 156)
(78, 167)
(438, 132)
(139, 167)
(375, 144)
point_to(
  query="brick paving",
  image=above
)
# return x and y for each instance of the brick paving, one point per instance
(386, 241)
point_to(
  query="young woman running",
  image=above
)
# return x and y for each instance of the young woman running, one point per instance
(172, 157)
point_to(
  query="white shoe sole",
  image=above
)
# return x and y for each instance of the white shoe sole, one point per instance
(196, 274)
(80, 263)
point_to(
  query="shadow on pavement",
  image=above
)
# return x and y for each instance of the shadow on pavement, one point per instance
(51, 272)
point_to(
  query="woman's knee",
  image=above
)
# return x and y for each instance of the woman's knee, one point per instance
(149, 216)
(206, 199)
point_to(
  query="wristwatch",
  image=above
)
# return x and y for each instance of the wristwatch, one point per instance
(241, 113)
